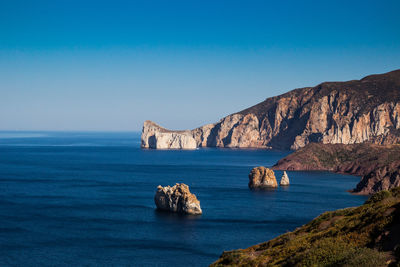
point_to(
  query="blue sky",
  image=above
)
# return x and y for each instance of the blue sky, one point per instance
(110, 65)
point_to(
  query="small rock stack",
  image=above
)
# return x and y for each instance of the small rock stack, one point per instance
(263, 178)
(284, 179)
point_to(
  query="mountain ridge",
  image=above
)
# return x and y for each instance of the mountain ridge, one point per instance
(355, 111)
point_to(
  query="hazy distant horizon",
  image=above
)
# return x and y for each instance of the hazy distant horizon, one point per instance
(109, 66)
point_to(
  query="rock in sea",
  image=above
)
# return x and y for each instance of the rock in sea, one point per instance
(261, 177)
(284, 179)
(177, 199)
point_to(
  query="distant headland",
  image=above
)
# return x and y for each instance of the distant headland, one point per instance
(357, 111)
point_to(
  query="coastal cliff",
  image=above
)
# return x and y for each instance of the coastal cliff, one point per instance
(357, 111)
(379, 165)
(155, 136)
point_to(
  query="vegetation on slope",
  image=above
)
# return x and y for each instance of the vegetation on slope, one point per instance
(368, 235)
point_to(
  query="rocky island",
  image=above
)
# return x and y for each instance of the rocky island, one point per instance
(357, 111)
(177, 199)
(262, 178)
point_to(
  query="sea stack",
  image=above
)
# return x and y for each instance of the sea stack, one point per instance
(157, 137)
(177, 199)
(284, 179)
(262, 178)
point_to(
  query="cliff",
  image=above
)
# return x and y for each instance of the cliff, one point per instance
(368, 235)
(366, 110)
(155, 136)
(379, 165)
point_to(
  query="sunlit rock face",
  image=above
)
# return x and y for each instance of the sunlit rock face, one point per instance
(358, 111)
(177, 199)
(157, 137)
(284, 180)
(262, 178)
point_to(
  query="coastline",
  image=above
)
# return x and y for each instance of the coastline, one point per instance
(378, 165)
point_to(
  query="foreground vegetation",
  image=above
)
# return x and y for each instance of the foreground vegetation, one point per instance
(368, 235)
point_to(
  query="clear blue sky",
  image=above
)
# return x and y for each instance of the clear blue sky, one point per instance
(110, 65)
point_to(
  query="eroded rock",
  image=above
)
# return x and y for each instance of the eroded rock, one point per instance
(285, 179)
(261, 177)
(177, 199)
(157, 137)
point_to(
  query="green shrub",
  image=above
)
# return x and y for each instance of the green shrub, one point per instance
(363, 257)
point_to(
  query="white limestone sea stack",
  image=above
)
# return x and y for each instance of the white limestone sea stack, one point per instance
(284, 180)
(177, 199)
(157, 137)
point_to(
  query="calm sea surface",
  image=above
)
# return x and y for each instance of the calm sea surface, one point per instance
(73, 199)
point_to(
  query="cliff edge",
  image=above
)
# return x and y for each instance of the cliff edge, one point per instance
(155, 136)
(357, 111)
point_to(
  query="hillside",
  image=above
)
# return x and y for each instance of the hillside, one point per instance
(368, 235)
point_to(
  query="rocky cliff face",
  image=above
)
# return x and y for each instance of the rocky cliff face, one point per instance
(366, 110)
(382, 178)
(155, 136)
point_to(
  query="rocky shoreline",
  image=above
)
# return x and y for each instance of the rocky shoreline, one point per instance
(379, 165)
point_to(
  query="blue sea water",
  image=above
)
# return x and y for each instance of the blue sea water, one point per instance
(86, 199)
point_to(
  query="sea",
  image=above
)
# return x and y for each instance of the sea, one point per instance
(87, 199)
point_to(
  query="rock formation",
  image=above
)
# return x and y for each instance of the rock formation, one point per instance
(366, 110)
(285, 179)
(155, 136)
(177, 199)
(261, 177)
(381, 178)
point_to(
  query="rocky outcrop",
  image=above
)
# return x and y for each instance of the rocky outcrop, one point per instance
(382, 178)
(284, 180)
(155, 136)
(261, 178)
(366, 110)
(177, 199)
(379, 165)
